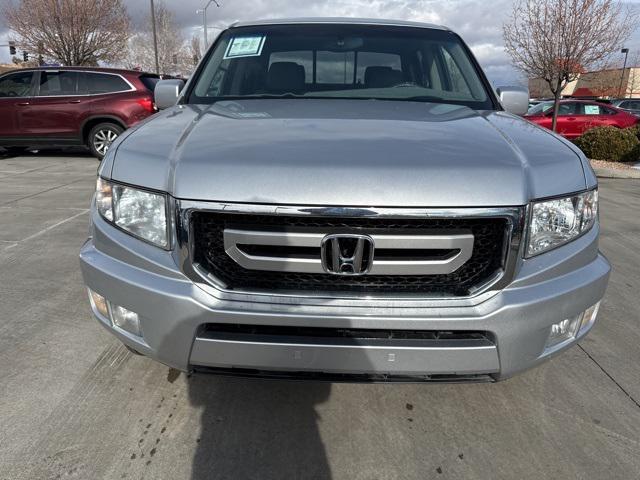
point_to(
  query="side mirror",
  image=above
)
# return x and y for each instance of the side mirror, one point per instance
(514, 99)
(167, 92)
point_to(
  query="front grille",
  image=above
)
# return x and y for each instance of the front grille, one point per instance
(487, 259)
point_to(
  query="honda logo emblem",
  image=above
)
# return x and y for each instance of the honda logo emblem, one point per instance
(347, 254)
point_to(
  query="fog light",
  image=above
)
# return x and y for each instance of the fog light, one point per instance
(564, 330)
(589, 316)
(98, 303)
(125, 319)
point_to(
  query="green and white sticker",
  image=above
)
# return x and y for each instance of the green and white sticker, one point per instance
(592, 110)
(245, 47)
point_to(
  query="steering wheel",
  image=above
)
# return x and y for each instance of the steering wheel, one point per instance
(12, 93)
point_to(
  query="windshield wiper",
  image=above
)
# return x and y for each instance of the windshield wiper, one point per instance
(266, 96)
(424, 98)
(288, 95)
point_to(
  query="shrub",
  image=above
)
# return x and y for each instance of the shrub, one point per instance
(633, 155)
(609, 143)
(636, 130)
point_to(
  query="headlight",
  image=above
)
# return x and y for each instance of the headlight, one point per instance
(556, 222)
(141, 213)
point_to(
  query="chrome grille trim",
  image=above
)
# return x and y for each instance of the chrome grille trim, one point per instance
(411, 266)
(515, 216)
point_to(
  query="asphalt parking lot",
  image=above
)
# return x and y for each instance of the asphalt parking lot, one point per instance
(75, 404)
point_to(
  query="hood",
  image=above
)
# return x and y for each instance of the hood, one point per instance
(348, 153)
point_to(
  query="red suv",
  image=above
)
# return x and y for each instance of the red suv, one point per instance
(72, 106)
(577, 116)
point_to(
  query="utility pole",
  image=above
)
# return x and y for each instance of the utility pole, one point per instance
(40, 50)
(626, 52)
(155, 36)
(203, 11)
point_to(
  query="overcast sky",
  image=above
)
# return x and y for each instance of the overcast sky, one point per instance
(478, 21)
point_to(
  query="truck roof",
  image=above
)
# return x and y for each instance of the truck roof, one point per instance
(337, 20)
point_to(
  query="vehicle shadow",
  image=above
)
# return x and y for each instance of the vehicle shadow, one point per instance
(262, 429)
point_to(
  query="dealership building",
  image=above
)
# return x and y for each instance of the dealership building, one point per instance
(598, 84)
(6, 67)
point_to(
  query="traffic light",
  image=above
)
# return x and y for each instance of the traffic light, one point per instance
(25, 56)
(12, 48)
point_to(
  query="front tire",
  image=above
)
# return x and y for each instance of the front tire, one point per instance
(15, 151)
(101, 137)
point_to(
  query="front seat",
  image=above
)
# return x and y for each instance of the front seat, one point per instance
(285, 77)
(381, 77)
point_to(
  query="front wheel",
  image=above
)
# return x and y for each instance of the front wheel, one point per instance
(101, 137)
(15, 151)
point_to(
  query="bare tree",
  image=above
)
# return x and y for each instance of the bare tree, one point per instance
(72, 32)
(196, 51)
(556, 40)
(173, 53)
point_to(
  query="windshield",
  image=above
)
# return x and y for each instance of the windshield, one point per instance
(340, 61)
(540, 108)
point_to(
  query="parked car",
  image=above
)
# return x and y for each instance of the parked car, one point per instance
(533, 103)
(344, 199)
(629, 105)
(577, 116)
(51, 107)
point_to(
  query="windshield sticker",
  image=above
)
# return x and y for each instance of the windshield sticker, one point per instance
(591, 110)
(245, 47)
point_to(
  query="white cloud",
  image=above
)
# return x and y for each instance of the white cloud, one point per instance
(489, 54)
(4, 51)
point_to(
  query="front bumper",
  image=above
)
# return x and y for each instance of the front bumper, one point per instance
(173, 310)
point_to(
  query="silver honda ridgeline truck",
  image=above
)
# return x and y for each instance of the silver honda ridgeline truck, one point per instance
(345, 200)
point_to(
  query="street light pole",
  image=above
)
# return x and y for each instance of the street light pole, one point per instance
(204, 24)
(155, 37)
(204, 20)
(626, 52)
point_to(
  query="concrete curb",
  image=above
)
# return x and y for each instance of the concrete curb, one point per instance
(615, 173)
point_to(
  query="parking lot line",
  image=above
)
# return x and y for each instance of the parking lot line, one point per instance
(15, 200)
(49, 228)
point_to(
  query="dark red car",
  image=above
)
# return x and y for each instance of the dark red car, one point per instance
(72, 106)
(577, 116)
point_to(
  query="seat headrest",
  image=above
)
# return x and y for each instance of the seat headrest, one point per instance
(381, 77)
(285, 77)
